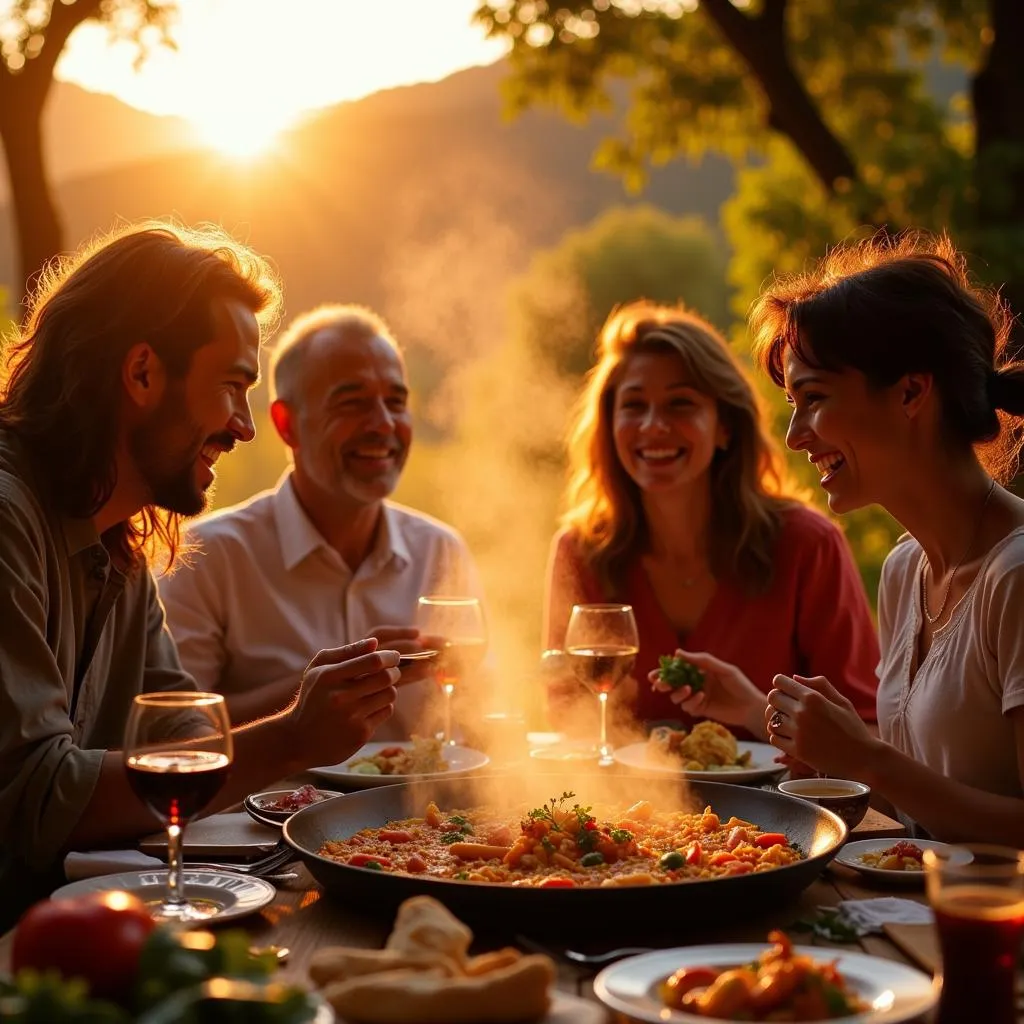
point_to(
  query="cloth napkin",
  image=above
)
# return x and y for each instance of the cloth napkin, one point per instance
(868, 916)
(107, 862)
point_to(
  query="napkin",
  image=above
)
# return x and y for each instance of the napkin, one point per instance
(868, 916)
(107, 862)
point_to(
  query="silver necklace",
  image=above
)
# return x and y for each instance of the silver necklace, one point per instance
(925, 566)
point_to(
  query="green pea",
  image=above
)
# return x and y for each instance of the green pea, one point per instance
(672, 860)
(591, 860)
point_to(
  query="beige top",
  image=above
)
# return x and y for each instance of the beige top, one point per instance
(953, 715)
(265, 592)
(78, 640)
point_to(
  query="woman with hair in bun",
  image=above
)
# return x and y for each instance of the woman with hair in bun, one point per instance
(678, 505)
(895, 364)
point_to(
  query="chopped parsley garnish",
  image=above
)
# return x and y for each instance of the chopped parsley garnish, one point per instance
(451, 837)
(461, 875)
(547, 811)
(457, 821)
(621, 835)
(547, 844)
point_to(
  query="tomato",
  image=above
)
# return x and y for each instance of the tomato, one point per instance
(97, 938)
(371, 860)
(557, 883)
(768, 839)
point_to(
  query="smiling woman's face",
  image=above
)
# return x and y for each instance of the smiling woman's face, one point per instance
(665, 430)
(851, 431)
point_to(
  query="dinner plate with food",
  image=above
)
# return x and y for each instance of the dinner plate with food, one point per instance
(708, 752)
(391, 763)
(890, 860)
(762, 982)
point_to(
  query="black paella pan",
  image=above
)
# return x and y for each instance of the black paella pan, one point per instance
(818, 832)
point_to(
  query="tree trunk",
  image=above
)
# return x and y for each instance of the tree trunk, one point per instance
(37, 224)
(997, 94)
(22, 100)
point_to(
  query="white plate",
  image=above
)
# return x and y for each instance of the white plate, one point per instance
(849, 856)
(896, 992)
(762, 763)
(461, 761)
(233, 895)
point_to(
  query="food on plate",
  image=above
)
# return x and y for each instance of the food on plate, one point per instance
(103, 958)
(900, 856)
(678, 672)
(422, 758)
(294, 801)
(707, 747)
(424, 975)
(780, 985)
(564, 845)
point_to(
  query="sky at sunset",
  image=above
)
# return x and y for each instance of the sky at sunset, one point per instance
(247, 68)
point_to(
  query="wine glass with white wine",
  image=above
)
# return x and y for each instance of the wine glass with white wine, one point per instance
(601, 645)
(460, 622)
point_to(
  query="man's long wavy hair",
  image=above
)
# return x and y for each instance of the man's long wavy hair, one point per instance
(61, 394)
(749, 484)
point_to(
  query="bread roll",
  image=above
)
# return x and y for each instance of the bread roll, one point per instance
(423, 925)
(509, 995)
(336, 963)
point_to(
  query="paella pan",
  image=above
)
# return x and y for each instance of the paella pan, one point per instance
(316, 832)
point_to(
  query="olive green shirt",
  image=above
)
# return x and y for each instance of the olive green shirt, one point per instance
(78, 640)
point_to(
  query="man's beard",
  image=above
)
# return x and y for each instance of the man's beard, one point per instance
(168, 465)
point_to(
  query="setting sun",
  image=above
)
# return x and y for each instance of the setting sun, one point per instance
(243, 71)
(241, 136)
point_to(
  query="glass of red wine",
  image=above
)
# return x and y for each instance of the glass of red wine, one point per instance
(460, 621)
(601, 645)
(977, 896)
(177, 752)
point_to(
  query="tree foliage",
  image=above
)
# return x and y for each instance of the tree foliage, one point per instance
(626, 253)
(33, 34)
(825, 103)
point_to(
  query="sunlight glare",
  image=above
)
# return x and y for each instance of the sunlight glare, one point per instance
(241, 133)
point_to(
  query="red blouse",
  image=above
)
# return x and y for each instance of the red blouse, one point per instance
(814, 618)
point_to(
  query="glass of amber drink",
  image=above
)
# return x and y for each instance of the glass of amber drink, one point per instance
(460, 621)
(977, 895)
(601, 645)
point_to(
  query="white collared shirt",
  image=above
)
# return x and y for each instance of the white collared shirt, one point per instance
(264, 592)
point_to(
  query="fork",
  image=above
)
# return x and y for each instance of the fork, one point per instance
(582, 959)
(265, 865)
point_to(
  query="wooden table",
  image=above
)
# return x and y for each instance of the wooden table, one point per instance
(304, 919)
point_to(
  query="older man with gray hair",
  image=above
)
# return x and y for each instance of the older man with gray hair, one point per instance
(324, 558)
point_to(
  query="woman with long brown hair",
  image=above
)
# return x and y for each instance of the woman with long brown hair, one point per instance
(905, 395)
(678, 505)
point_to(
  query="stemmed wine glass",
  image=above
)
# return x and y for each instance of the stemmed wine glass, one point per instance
(460, 622)
(177, 752)
(601, 643)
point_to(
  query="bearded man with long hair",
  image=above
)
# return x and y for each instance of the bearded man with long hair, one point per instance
(128, 380)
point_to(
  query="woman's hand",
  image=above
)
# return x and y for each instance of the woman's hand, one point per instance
(808, 719)
(728, 695)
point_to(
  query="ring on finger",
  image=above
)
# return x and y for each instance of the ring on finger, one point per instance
(777, 720)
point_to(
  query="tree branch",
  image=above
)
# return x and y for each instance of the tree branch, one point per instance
(761, 44)
(64, 19)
